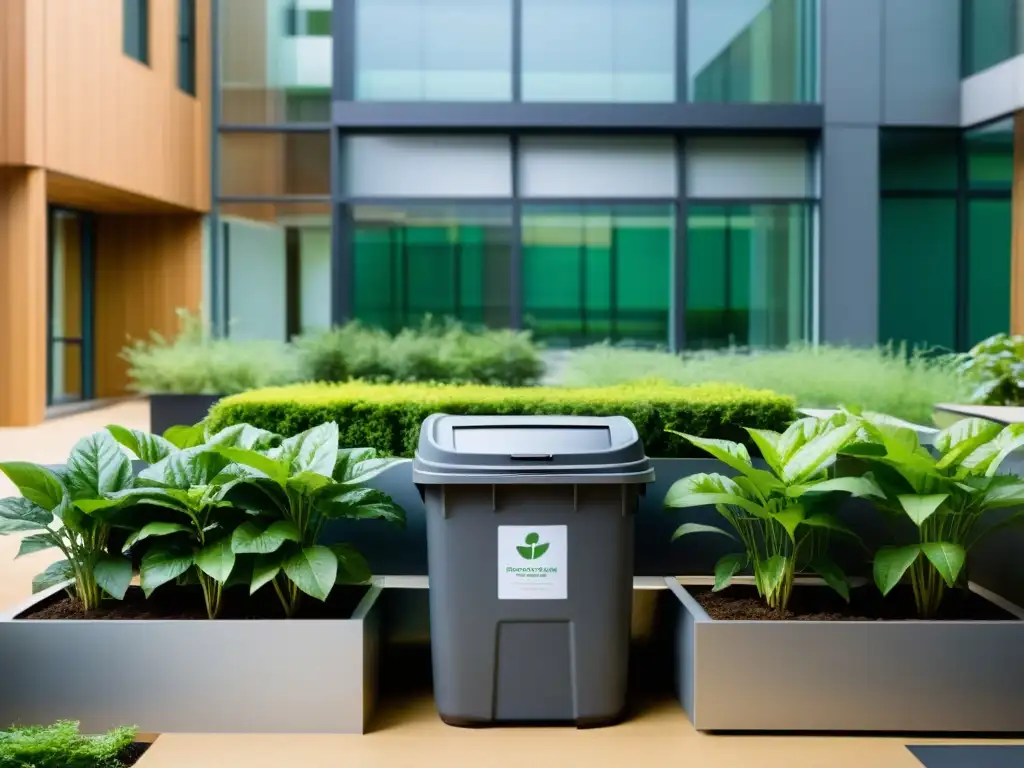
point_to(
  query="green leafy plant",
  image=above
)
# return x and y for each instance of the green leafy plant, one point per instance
(948, 497)
(293, 490)
(187, 528)
(388, 417)
(69, 509)
(996, 366)
(61, 746)
(780, 516)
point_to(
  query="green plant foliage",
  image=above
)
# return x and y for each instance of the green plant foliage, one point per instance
(996, 366)
(71, 510)
(447, 352)
(781, 517)
(884, 379)
(388, 417)
(196, 363)
(290, 491)
(952, 497)
(62, 746)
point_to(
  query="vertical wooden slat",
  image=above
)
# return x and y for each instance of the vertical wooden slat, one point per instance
(22, 296)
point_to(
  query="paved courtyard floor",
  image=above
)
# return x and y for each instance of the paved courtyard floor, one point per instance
(407, 731)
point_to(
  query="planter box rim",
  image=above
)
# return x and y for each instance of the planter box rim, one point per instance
(701, 616)
(359, 613)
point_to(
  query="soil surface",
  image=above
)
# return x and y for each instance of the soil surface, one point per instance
(814, 603)
(133, 753)
(187, 603)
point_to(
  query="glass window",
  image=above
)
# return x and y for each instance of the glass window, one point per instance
(749, 168)
(135, 29)
(599, 50)
(753, 50)
(597, 272)
(70, 288)
(273, 58)
(277, 257)
(260, 164)
(919, 160)
(187, 46)
(917, 272)
(597, 167)
(991, 33)
(434, 50)
(989, 263)
(415, 262)
(428, 166)
(748, 275)
(990, 156)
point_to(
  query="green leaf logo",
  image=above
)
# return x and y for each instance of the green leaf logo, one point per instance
(533, 549)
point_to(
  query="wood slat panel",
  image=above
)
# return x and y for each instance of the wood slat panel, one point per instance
(147, 267)
(22, 70)
(23, 298)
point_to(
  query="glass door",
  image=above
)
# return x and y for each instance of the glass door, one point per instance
(70, 315)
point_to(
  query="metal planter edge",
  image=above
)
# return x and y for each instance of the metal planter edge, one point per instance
(182, 676)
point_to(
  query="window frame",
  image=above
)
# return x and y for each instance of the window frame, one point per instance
(187, 47)
(136, 12)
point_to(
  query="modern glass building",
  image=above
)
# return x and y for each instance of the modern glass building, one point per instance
(684, 173)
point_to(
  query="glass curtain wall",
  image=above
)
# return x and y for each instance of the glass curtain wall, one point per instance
(992, 31)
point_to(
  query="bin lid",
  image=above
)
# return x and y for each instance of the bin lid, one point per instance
(497, 450)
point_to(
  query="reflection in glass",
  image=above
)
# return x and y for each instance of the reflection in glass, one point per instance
(267, 164)
(748, 275)
(753, 51)
(440, 261)
(278, 262)
(989, 263)
(599, 51)
(915, 160)
(991, 33)
(434, 50)
(990, 156)
(597, 272)
(276, 61)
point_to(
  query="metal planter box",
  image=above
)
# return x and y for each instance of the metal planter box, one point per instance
(167, 411)
(896, 676)
(167, 676)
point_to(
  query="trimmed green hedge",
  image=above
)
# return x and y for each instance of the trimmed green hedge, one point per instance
(388, 416)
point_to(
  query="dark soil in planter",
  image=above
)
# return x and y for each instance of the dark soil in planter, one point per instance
(814, 603)
(186, 603)
(131, 754)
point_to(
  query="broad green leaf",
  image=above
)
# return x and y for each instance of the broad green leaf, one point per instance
(920, 508)
(96, 506)
(364, 471)
(352, 566)
(249, 538)
(1011, 445)
(37, 484)
(790, 518)
(727, 567)
(341, 501)
(183, 436)
(146, 447)
(863, 450)
(768, 443)
(308, 482)
(900, 442)
(829, 521)
(688, 528)
(97, 466)
(184, 469)
(113, 575)
(731, 454)
(313, 570)
(961, 439)
(855, 486)
(798, 434)
(254, 494)
(347, 459)
(56, 573)
(832, 575)
(216, 560)
(981, 460)
(276, 470)
(891, 563)
(19, 514)
(948, 559)
(679, 500)
(265, 569)
(1009, 493)
(817, 454)
(245, 436)
(162, 564)
(154, 529)
(36, 543)
(315, 450)
(771, 573)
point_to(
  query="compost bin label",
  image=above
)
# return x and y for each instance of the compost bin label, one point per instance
(532, 562)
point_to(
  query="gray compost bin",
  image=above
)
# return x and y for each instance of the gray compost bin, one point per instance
(530, 556)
